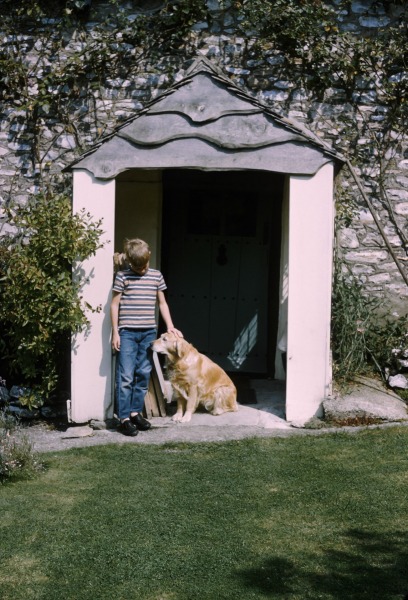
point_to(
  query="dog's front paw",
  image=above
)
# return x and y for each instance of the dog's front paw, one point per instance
(177, 417)
(186, 418)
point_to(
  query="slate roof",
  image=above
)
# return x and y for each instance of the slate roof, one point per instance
(207, 122)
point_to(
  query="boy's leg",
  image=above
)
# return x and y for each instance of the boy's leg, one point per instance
(125, 369)
(143, 369)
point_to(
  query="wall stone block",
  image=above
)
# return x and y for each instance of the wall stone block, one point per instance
(380, 278)
(273, 96)
(359, 7)
(361, 269)
(399, 289)
(374, 22)
(402, 180)
(367, 256)
(372, 239)
(402, 207)
(348, 238)
(8, 172)
(66, 141)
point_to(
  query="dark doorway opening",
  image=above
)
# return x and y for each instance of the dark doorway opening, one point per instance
(221, 240)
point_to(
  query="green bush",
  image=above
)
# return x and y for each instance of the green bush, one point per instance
(387, 340)
(362, 339)
(352, 318)
(41, 304)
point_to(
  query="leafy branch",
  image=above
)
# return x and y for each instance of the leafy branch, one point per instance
(41, 303)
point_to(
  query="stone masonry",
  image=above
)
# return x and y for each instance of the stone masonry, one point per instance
(36, 150)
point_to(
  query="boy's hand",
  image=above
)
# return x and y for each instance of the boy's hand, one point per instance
(175, 331)
(115, 341)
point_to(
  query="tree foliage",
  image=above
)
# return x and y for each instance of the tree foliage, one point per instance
(322, 54)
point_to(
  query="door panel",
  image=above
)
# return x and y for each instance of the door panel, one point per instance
(250, 345)
(189, 274)
(218, 298)
(225, 264)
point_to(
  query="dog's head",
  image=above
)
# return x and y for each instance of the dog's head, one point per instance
(169, 344)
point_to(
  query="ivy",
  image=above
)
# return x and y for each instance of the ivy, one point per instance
(336, 67)
(52, 66)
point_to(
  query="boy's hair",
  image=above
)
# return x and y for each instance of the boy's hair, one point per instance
(137, 252)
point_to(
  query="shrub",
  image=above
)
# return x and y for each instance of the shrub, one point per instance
(362, 339)
(41, 304)
(388, 342)
(352, 318)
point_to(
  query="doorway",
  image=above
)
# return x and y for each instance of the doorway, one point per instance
(221, 241)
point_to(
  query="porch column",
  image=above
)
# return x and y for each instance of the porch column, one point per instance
(311, 230)
(91, 356)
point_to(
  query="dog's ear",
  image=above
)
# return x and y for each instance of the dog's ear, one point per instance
(179, 347)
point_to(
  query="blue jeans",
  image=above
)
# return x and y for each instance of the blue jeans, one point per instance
(133, 367)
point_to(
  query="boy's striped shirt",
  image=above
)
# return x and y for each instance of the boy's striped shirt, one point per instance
(137, 307)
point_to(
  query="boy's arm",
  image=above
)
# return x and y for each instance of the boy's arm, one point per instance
(165, 313)
(114, 312)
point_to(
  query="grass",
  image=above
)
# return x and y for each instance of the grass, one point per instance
(305, 517)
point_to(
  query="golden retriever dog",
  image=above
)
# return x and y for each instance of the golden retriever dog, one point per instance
(196, 380)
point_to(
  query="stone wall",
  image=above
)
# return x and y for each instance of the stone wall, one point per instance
(38, 139)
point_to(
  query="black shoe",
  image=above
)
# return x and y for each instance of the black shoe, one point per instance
(140, 422)
(127, 428)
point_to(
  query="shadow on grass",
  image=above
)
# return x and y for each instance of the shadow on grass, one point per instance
(369, 565)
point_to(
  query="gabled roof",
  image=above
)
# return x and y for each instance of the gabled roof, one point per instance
(206, 122)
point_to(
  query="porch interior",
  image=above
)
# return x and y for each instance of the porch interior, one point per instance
(261, 404)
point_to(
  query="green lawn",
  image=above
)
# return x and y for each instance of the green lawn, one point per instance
(304, 517)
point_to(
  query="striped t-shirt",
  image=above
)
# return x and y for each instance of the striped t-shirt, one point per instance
(137, 307)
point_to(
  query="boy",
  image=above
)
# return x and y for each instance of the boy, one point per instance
(135, 292)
